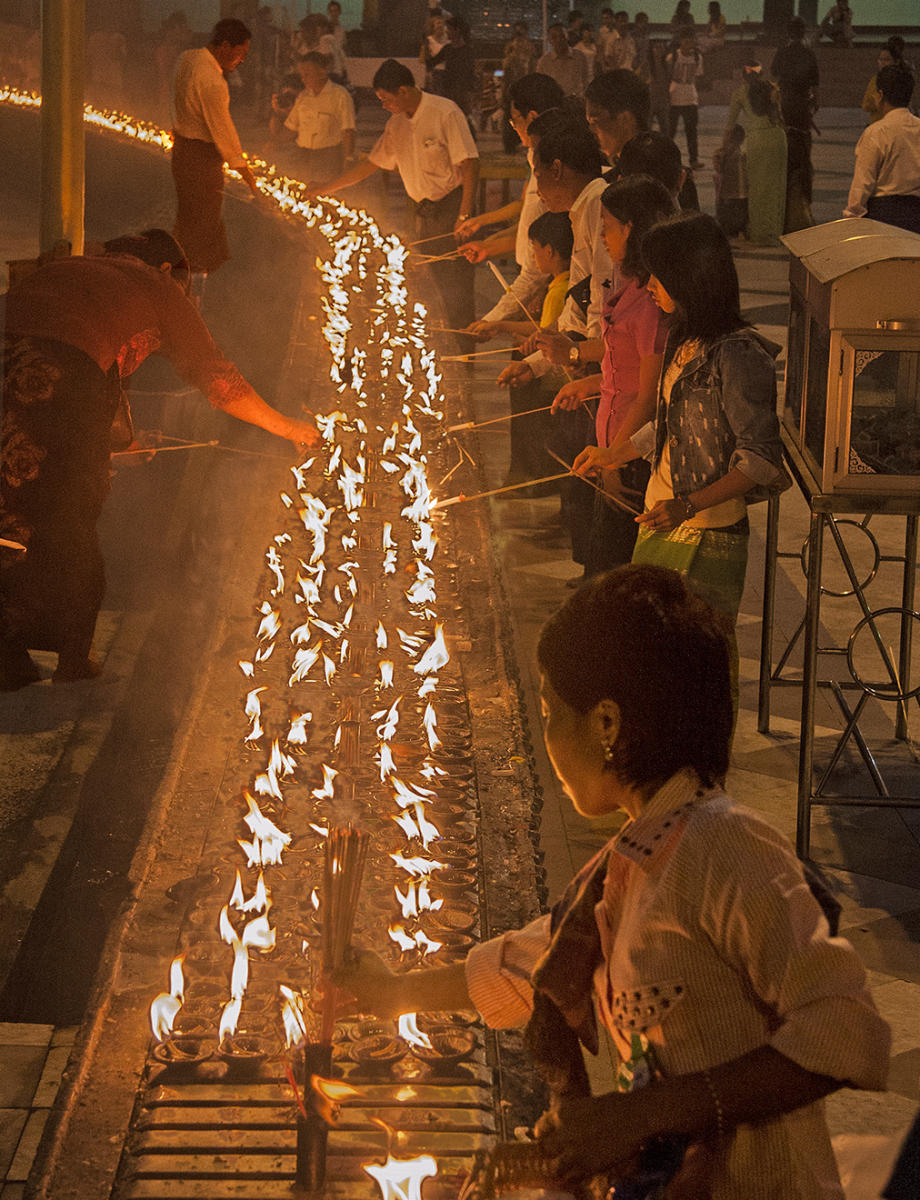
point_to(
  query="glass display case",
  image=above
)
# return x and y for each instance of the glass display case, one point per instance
(852, 396)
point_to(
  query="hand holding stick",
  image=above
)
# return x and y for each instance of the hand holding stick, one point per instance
(507, 289)
(603, 491)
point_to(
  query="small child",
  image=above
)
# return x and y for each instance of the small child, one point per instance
(731, 183)
(551, 240)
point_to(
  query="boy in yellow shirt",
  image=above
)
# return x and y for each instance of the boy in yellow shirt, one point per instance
(550, 238)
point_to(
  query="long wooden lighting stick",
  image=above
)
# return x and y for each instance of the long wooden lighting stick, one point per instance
(477, 354)
(433, 258)
(507, 289)
(13, 545)
(468, 425)
(163, 449)
(511, 487)
(435, 237)
(607, 495)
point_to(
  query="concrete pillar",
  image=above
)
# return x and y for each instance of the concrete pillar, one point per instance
(62, 134)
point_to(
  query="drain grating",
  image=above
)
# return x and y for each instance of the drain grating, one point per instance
(223, 1140)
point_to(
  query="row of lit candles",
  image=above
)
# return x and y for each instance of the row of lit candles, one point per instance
(355, 241)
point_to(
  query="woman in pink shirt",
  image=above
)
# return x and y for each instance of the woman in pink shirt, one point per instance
(630, 352)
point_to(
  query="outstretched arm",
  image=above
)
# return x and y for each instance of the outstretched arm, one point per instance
(469, 173)
(361, 170)
(251, 408)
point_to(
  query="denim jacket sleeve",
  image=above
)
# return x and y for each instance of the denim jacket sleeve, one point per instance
(748, 397)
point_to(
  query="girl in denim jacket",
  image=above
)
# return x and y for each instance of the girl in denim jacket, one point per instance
(714, 444)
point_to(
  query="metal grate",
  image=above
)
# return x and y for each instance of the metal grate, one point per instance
(221, 1140)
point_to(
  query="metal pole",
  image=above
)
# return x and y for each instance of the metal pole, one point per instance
(769, 614)
(62, 136)
(809, 685)
(908, 593)
(545, 23)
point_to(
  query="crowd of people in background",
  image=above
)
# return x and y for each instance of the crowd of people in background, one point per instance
(602, 352)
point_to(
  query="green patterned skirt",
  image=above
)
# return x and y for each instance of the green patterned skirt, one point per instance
(714, 561)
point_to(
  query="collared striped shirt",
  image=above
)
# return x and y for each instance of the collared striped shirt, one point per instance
(713, 946)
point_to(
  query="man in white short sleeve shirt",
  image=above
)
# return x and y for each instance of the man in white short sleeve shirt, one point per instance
(428, 140)
(321, 122)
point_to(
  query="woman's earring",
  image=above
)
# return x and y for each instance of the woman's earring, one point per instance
(608, 752)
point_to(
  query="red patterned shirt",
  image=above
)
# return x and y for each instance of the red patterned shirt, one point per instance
(117, 310)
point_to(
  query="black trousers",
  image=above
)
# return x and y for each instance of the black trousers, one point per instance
(902, 211)
(690, 114)
(613, 530)
(531, 435)
(454, 278)
(571, 433)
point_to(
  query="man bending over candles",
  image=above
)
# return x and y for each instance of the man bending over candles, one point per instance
(75, 330)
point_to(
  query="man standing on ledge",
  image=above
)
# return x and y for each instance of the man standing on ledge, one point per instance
(428, 140)
(204, 139)
(886, 178)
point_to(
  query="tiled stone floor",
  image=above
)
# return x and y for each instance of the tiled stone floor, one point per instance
(32, 1061)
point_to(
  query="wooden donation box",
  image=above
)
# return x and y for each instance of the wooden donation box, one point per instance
(852, 401)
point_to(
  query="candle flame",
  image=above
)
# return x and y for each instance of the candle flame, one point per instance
(229, 1019)
(259, 934)
(430, 721)
(239, 977)
(163, 1012)
(293, 1016)
(297, 734)
(409, 1031)
(402, 1178)
(326, 792)
(416, 867)
(165, 1007)
(333, 1089)
(436, 656)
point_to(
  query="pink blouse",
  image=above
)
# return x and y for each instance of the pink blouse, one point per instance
(632, 329)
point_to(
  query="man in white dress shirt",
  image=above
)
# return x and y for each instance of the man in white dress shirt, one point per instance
(204, 139)
(322, 121)
(886, 178)
(428, 140)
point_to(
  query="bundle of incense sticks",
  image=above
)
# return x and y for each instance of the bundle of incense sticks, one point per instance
(346, 852)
